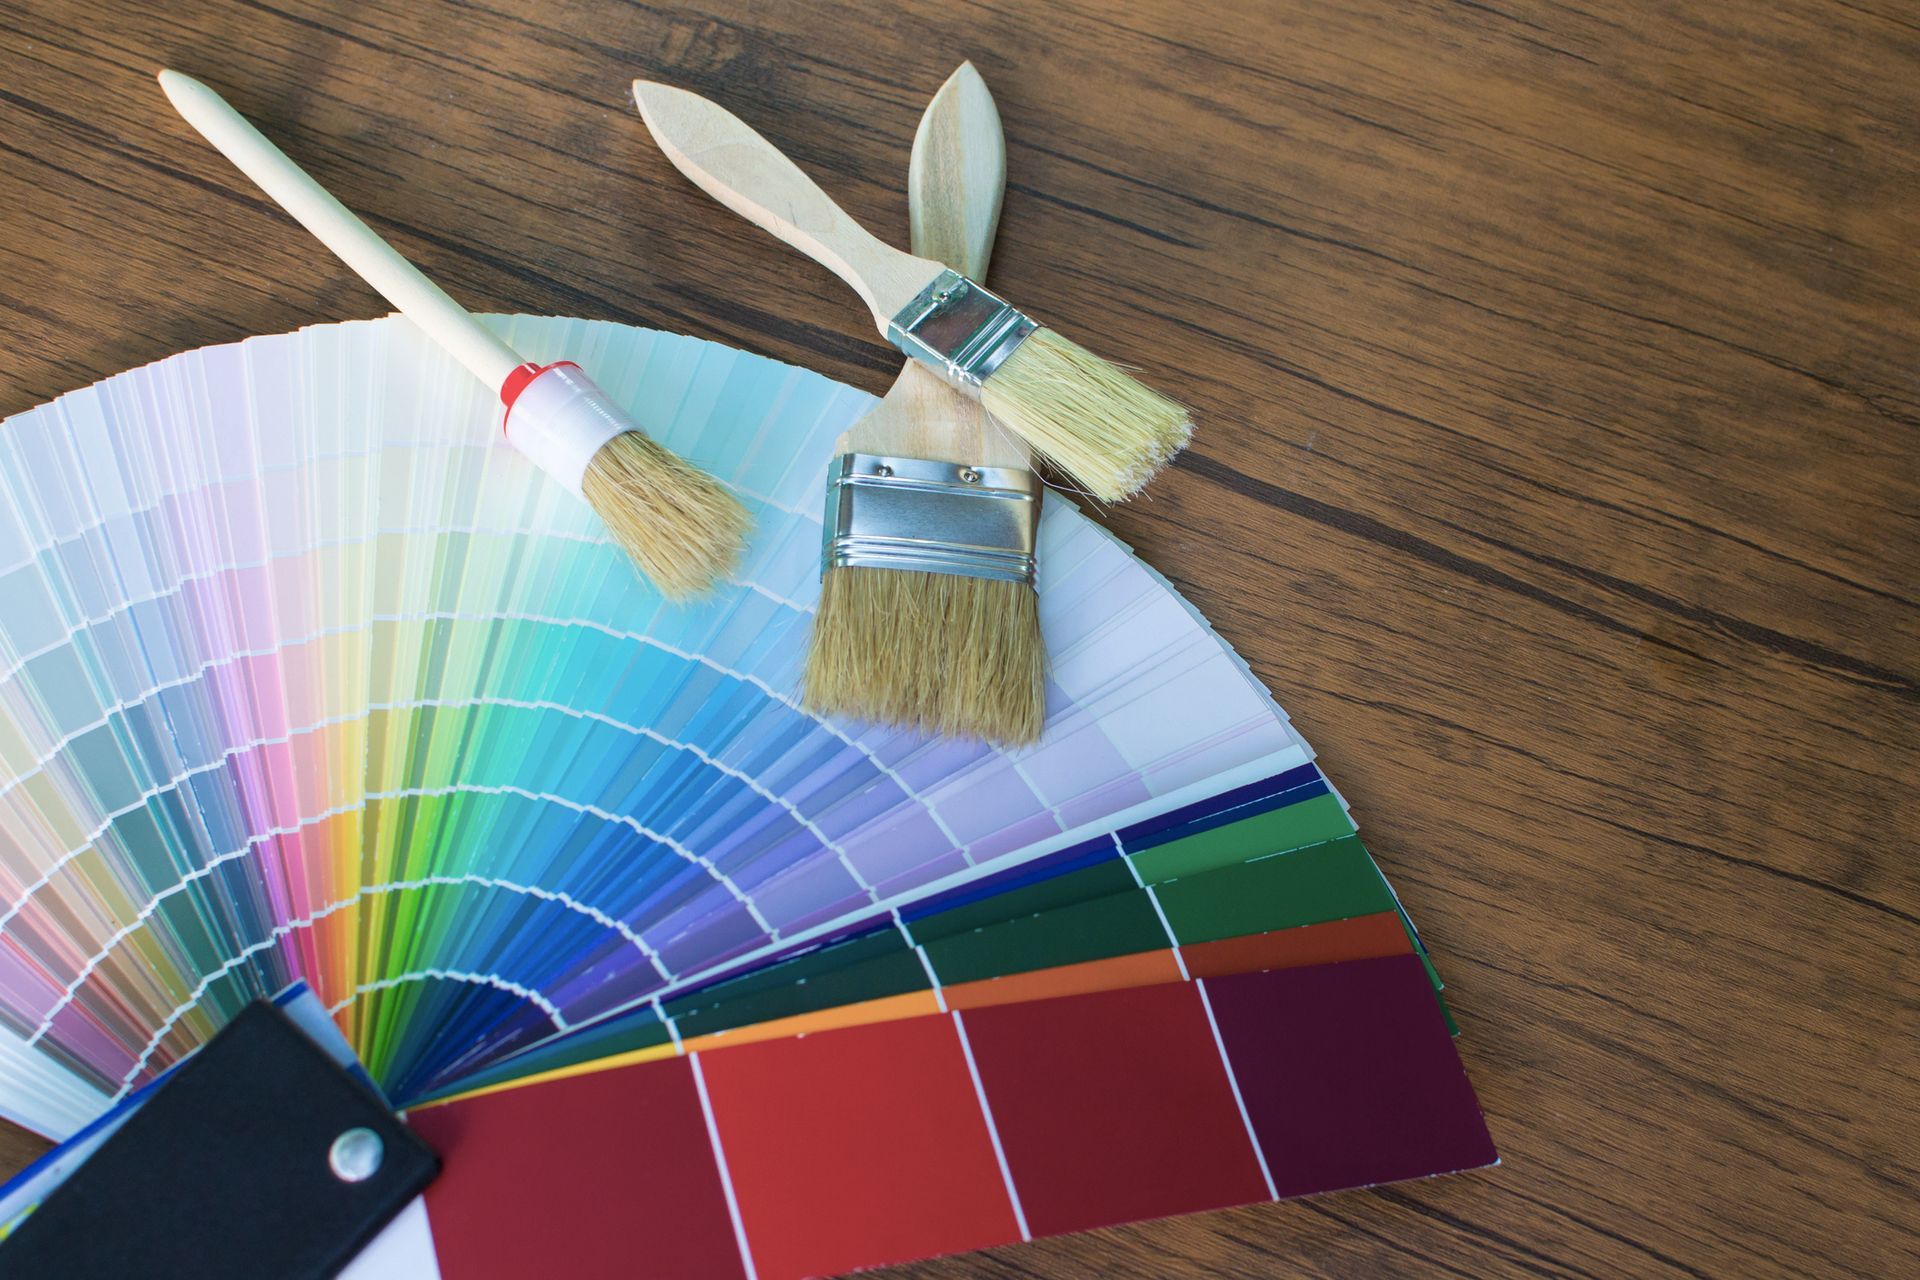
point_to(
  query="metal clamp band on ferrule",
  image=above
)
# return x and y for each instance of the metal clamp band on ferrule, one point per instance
(959, 330)
(560, 419)
(937, 517)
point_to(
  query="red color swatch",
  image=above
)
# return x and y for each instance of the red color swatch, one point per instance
(1349, 1074)
(594, 1177)
(857, 1147)
(1113, 1107)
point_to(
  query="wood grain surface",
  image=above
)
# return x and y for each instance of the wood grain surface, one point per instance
(1558, 378)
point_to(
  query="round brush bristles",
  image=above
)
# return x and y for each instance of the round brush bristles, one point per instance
(949, 655)
(680, 525)
(1084, 415)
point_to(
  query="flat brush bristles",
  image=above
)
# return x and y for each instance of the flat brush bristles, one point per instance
(680, 525)
(949, 655)
(1108, 431)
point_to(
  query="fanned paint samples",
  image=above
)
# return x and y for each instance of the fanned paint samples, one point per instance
(306, 677)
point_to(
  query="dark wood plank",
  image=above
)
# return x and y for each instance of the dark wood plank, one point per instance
(1559, 379)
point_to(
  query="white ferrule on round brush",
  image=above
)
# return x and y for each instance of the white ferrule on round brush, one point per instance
(1085, 416)
(928, 615)
(681, 526)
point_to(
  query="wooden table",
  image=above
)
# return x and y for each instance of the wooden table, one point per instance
(1559, 385)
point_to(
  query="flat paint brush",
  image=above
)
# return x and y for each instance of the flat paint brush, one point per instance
(1098, 425)
(928, 615)
(680, 525)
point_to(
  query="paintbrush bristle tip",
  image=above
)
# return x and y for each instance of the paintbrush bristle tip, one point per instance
(682, 527)
(945, 654)
(1086, 416)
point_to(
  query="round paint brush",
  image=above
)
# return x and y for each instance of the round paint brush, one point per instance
(928, 615)
(1087, 417)
(680, 525)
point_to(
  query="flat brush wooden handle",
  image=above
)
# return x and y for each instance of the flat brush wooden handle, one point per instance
(954, 190)
(372, 259)
(743, 171)
(955, 185)
(958, 175)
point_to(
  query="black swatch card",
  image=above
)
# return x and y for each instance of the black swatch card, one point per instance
(229, 1171)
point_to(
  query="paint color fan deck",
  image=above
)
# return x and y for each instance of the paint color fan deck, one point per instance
(305, 676)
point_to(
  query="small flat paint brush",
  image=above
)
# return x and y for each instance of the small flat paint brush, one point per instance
(1100, 426)
(680, 525)
(928, 615)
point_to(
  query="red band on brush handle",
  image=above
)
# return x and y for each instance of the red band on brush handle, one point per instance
(517, 382)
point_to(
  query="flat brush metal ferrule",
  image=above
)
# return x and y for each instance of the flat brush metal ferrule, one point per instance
(937, 517)
(959, 329)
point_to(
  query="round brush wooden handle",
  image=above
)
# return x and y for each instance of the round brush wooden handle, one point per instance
(743, 171)
(372, 259)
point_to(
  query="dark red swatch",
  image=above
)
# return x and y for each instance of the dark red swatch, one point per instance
(604, 1175)
(1113, 1107)
(1349, 1074)
(857, 1147)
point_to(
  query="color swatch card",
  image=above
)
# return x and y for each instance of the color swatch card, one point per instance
(261, 1155)
(815, 1155)
(1266, 876)
(23, 1193)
